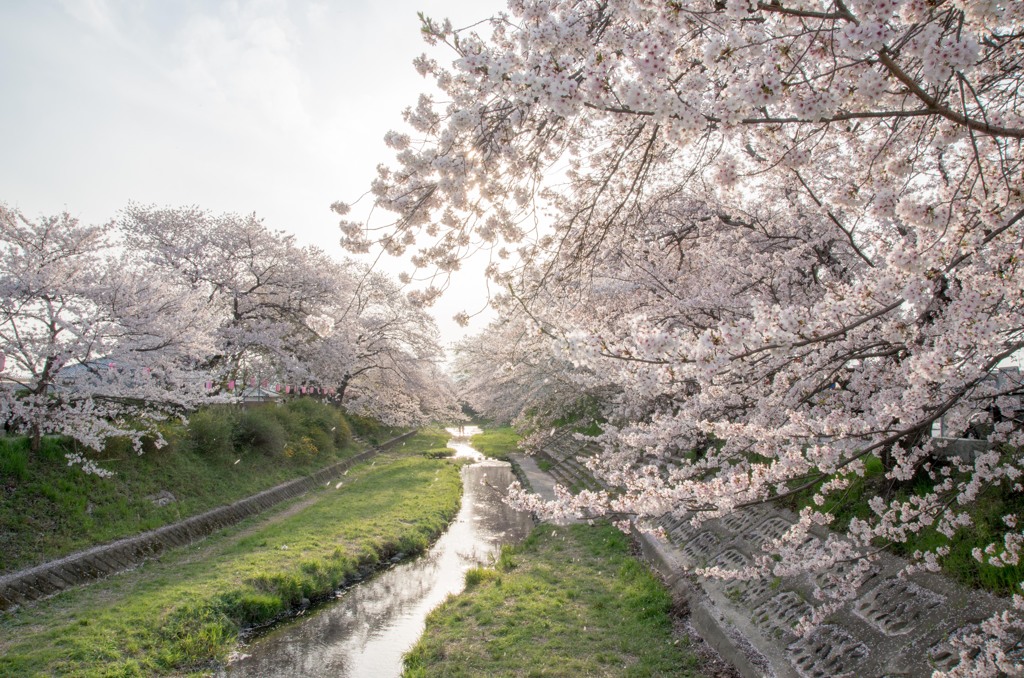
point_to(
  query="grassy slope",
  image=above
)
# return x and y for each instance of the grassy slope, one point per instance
(987, 525)
(567, 602)
(184, 611)
(48, 509)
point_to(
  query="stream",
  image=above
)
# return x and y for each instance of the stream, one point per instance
(365, 631)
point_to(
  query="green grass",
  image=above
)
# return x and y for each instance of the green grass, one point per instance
(496, 443)
(567, 602)
(183, 613)
(987, 525)
(48, 510)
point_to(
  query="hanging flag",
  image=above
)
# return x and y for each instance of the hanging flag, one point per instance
(264, 383)
(231, 385)
(288, 389)
(252, 381)
(209, 386)
(277, 387)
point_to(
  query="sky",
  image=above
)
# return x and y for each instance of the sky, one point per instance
(265, 106)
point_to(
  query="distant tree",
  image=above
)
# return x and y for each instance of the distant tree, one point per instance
(95, 345)
(267, 292)
(294, 314)
(512, 372)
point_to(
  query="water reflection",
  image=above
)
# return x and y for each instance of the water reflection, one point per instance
(368, 629)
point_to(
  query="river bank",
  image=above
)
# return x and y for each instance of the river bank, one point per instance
(49, 510)
(182, 613)
(367, 629)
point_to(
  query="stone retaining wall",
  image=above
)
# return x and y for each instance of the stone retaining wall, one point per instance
(24, 586)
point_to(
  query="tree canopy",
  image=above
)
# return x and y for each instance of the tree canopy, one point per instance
(107, 330)
(787, 235)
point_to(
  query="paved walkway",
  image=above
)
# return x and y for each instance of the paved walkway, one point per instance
(542, 483)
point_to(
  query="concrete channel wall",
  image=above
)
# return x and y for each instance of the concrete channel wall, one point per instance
(897, 625)
(24, 586)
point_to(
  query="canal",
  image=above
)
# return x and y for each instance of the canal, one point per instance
(365, 631)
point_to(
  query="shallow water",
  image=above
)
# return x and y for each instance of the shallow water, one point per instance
(366, 631)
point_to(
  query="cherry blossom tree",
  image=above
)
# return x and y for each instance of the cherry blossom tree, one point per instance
(294, 314)
(269, 294)
(388, 354)
(792, 229)
(511, 372)
(95, 346)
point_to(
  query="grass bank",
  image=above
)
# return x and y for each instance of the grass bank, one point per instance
(987, 526)
(567, 602)
(496, 443)
(183, 613)
(48, 510)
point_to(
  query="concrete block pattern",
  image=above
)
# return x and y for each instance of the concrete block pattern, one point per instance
(896, 606)
(828, 652)
(896, 625)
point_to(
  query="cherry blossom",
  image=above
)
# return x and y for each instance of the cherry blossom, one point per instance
(776, 241)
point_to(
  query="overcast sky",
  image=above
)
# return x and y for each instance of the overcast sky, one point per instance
(272, 107)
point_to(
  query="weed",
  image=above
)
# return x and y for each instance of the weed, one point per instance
(14, 458)
(575, 603)
(496, 443)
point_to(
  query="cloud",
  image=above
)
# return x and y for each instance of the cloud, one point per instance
(242, 62)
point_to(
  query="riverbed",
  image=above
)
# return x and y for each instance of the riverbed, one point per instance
(367, 629)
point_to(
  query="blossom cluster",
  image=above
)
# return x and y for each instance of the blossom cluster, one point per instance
(769, 246)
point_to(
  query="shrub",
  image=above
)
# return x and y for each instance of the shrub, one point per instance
(259, 432)
(117, 447)
(323, 423)
(367, 428)
(302, 449)
(172, 433)
(210, 431)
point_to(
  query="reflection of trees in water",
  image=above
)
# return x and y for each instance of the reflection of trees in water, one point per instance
(336, 640)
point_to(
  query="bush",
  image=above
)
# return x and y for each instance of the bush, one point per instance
(367, 428)
(323, 423)
(259, 432)
(303, 449)
(117, 447)
(210, 431)
(172, 433)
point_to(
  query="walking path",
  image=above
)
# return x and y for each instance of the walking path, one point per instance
(898, 626)
(540, 482)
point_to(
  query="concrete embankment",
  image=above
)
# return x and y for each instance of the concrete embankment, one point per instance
(897, 624)
(25, 586)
